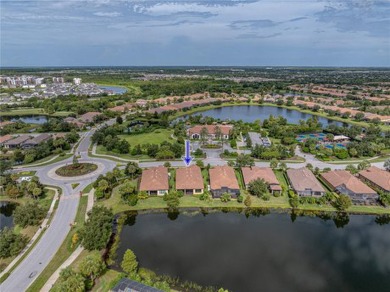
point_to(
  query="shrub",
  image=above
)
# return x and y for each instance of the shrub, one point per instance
(10, 243)
(226, 197)
(29, 214)
(248, 201)
(240, 199)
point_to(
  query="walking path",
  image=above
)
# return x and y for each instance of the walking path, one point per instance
(49, 284)
(111, 156)
(36, 235)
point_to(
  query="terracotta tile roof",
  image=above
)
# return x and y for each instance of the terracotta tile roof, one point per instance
(265, 173)
(188, 178)
(338, 178)
(88, 117)
(377, 176)
(223, 176)
(18, 140)
(225, 129)
(5, 138)
(154, 179)
(5, 123)
(302, 179)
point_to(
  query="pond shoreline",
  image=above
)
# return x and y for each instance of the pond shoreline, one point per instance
(323, 115)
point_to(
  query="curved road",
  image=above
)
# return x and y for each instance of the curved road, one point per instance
(27, 271)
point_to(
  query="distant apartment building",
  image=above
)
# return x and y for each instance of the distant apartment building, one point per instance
(58, 79)
(77, 81)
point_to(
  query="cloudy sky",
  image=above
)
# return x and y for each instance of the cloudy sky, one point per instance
(195, 32)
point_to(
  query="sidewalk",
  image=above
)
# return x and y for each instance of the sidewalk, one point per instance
(52, 280)
(111, 156)
(36, 235)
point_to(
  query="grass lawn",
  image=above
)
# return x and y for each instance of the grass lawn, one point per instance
(64, 251)
(102, 150)
(33, 111)
(75, 185)
(46, 160)
(87, 189)
(155, 137)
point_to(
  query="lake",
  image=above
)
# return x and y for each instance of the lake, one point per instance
(6, 211)
(39, 120)
(115, 89)
(250, 113)
(264, 253)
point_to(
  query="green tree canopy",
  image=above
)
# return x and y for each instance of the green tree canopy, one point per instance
(129, 263)
(97, 230)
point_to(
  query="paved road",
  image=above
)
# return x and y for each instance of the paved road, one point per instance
(27, 271)
(22, 277)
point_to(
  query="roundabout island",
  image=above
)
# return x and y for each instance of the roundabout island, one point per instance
(76, 169)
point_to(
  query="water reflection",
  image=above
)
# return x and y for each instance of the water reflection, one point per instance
(257, 250)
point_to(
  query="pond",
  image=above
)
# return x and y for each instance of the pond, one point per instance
(6, 211)
(263, 253)
(250, 113)
(39, 119)
(114, 89)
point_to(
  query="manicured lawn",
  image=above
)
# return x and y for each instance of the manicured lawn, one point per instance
(47, 161)
(64, 251)
(75, 185)
(76, 169)
(33, 111)
(87, 189)
(155, 137)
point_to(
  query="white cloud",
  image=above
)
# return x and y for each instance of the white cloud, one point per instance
(108, 14)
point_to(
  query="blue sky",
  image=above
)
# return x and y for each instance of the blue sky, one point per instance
(203, 32)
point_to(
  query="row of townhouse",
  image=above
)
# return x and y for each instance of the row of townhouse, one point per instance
(361, 188)
(23, 141)
(222, 179)
(189, 180)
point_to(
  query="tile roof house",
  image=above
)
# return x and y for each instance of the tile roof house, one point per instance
(4, 139)
(5, 123)
(189, 180)
(252, 173)
(304, 183)
(377, 178)
(35, 141)
(345, 183)
(223, 180)
(195, 132)
(89, 117)
(16, 142)
(154, 181)
(74, 121)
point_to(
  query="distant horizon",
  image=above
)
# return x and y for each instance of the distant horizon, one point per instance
(193, 66)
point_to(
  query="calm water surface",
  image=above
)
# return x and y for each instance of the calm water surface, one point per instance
(6, 211)
(31, 119)
(266, 253)
(251, 113)
(115, 89)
